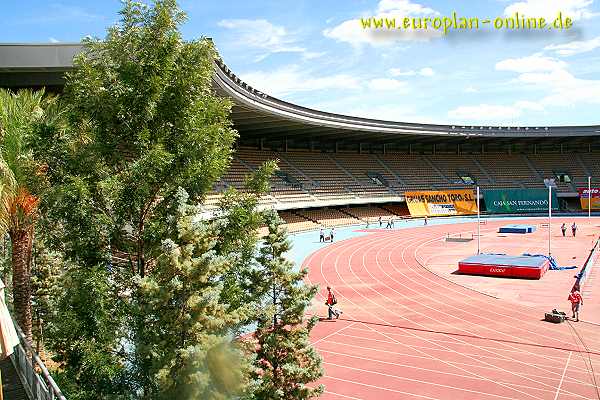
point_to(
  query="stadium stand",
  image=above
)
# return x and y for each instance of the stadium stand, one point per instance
(329, 217)
(374, 176)
(297, 223)
(338, 169)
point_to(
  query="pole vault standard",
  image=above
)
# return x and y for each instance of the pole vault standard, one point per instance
(478, 223)
(549, 220)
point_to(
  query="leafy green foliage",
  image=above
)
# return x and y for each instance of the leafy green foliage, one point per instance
(142, 98)
(23, 182)
(182, 350)
(238, 236)
(87, 308)
(155, 289)
(46, 268)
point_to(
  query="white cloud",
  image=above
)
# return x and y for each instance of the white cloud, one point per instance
(544, 75)
(387, 112)
(53, 40)
(549, 9)
(575, 47)
(293, 79)
(484, 113)
(263, 35)
(532, 63)
(563, 89)
(557, 78)
(529, 105)
(353, 33)
(426, 71)
(471, 89)
(311, 55)
(403, 8)
(384, 84)
(398, 72)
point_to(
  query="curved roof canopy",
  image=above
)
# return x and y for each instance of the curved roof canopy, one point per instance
(258, 115)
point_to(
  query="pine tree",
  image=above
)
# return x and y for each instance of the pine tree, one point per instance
(285, 360)
(186, 350)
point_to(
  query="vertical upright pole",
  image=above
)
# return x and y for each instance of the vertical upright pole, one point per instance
(549, 220)
(589, 199)
(478, 224)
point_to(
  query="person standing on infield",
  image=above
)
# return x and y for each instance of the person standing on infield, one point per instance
(331, 301)
(321, 236)
(563, 228)
(574, 228)
(576, 302)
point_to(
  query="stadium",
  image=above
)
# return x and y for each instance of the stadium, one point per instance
(413, 326)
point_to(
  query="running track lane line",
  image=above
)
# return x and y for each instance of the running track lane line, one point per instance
(498, 304)
(385, 238)
(410, 356)
(429, 355)
(445, 323)
(333, 333)
(408, 366)
(563, 375)
(416, 336)
(337, 262)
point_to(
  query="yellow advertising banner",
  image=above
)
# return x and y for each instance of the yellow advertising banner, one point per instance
(585, 197)
(595, 203)
(441, 202)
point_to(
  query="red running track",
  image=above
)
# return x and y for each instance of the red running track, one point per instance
(409, 334)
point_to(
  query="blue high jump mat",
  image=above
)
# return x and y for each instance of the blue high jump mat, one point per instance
(516, 228)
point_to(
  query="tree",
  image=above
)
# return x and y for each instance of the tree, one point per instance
(238, 227)
(23, 182)
(46, 268)
(184, 351)
(86, 308)
(145, 122)
(285, 360)
(148, 123)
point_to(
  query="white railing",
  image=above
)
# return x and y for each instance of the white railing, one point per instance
(34, 375)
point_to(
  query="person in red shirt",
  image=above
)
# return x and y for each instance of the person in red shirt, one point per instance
(331, 301)
(576, 301)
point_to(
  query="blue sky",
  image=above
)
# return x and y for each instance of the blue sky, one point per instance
(315, 53)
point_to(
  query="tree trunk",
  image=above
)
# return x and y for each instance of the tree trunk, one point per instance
(21, 280)
(141, 259)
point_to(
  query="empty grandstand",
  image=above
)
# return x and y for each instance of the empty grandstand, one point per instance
(340, 170)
